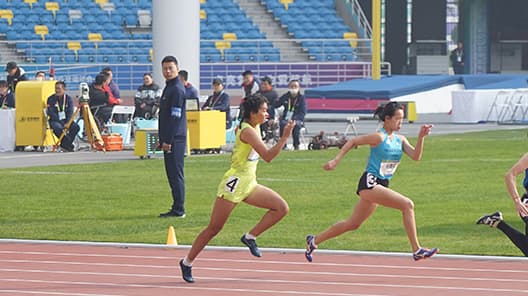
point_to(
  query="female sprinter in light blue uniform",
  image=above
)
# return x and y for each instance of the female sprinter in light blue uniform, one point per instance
(386, 148)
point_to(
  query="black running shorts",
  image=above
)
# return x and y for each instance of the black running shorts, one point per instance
(368, 181)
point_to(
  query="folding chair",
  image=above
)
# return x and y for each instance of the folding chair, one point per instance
(519, 103)
(501, 101)
(121, 122)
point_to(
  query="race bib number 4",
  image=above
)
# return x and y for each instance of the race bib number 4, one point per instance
(388, 167)
(231, 184)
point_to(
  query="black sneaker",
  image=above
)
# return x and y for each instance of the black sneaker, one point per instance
(186, 272)
(491, 220)
(171, 214)
(310, 247)
(252, 245)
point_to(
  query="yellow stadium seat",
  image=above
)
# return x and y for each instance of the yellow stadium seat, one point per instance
(352, 36)
(229, 36)
(203, 14)
(202, 1)
(30, 2)
(53, 7)
(75, 46)
(151, 54)
(222, 45)
(7, 14)
(286, 3)
(95, 37)
(42, 31)
(101, 2)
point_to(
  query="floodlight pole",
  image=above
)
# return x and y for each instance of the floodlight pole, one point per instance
(376, 39)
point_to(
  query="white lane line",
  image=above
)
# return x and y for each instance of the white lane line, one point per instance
(11, 292)
(184, 287)
(254, 262)
(355, 275)
(274, 250)
(375, 285)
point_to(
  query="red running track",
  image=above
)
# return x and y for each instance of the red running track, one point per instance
(73, 269)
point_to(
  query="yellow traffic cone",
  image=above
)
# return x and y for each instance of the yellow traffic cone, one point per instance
(171, 237)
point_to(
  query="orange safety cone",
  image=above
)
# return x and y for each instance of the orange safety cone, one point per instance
(171, 237)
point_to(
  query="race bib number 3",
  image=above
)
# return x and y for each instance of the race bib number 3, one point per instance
(388, 167)
(231, 184)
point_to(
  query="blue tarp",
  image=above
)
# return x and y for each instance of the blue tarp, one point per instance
(399, 85)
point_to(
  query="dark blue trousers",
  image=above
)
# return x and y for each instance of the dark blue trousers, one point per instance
(174, 169)
(69, 137)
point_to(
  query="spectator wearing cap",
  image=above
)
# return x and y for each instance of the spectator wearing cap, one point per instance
(7, 100)
(14, 75)
(219, 100)
(190, 90)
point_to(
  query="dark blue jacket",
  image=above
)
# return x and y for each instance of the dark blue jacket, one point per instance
(172, 118)
(7, 101)
(221, 102)
(273, 101)
(297, 105)
(58, 104)
(191, 91)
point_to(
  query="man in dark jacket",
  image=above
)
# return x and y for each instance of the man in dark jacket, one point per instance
(100, 104)
(190, 91)
(14, 75)
(270, 127)
(457, 59)
(219, 100)
(173, 134)
(294, 109)
(7, 100)
(60, 111)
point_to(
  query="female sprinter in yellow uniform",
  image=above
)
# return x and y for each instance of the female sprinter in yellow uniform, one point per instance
(240, 183)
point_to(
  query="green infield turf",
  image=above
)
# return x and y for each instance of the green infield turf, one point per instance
(459, 178)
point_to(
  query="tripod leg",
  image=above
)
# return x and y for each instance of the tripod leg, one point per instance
(66, 129)
(90, 127)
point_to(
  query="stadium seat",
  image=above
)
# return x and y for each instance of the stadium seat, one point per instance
(109, 8)
(144, 18)
(8, 15)
(203, 14)
(352, 36)
(74, 46)
(53, 7)
(30, 2)
(95, 37)
(101, 2)
(42, 31)
(286, 3)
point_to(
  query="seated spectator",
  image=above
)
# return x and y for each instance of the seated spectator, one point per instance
(114, 88)
(190, 90)
(40, 76)
(106, 87)
(147, 98)
(266, 89)
(60, 111)
(7, 99)
(294, 109)
(100, 103)
(14, 75)
(219, 100)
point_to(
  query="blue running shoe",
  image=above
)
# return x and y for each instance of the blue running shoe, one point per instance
(186, 272)
(310, 247)
(252, 245)
(424, 253)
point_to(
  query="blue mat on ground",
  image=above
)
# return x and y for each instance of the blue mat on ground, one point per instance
(400, 85)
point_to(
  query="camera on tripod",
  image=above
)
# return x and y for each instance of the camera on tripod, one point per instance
(84, 93)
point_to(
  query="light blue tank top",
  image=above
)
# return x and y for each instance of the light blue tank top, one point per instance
(385, 158)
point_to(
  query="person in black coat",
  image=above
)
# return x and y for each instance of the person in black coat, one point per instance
(172, 128)
(457, 59)
(60, 107)
(7, 100)
(295, 109)
(14, 75)
(219, 100)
